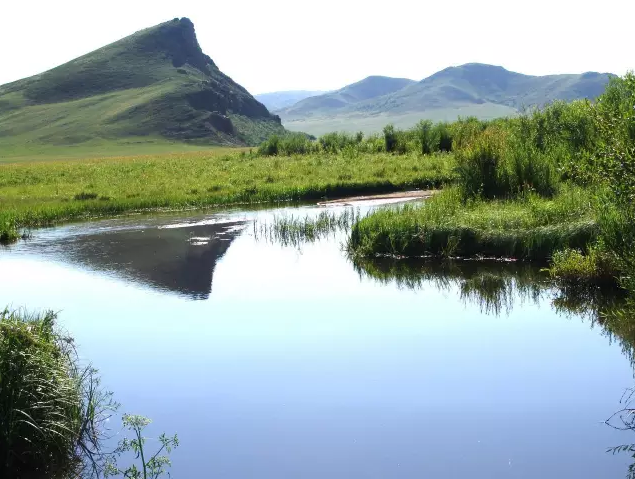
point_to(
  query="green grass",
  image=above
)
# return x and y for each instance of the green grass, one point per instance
(104, 148)
(47, 402)
(291, 230)
(527, 228)
(571, 266)
(43, 193)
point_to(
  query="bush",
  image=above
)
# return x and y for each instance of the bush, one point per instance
(501, 163)
(442, 132)
(464, 131)
(337, 141)
(390, 138)
(614, 116)
(428, 142)
(479, 163)
(270, 147)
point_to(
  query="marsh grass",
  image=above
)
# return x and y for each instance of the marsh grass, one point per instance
(42, 194)
(291, 230)
(595, 266)
(531, 227)
(51, 408)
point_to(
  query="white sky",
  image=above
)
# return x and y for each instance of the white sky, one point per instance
(271, 45)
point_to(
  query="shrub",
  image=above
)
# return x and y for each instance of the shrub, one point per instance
(337, 141)
(390, 138)
(465, 130)
(500, 162)
(614, 116)
(442, 132)
(426, 137)
(269, 147)
(479, 162)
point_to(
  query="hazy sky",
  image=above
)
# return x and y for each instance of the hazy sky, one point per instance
(269, 45)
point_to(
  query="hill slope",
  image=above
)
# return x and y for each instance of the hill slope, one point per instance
(154, 83)
(347, 97)
(282, 99)
(476, 83)
(485, 91)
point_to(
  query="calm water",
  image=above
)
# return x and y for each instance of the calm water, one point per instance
(279, 362)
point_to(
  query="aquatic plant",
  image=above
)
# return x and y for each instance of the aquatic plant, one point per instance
(291, 230)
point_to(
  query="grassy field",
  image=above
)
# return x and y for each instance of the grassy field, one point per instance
(20, 152)
(42, 193)
(527, 228)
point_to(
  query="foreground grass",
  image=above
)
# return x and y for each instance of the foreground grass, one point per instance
(40, 194)
(531, 227)
(44, 416)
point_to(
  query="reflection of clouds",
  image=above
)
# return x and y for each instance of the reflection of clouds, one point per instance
(178, 259)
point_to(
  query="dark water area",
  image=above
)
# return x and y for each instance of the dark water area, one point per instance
(276, 361)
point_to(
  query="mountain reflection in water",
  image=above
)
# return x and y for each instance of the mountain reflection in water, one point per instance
(177, 259)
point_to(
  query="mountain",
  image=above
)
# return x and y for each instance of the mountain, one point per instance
(347, 97)
(485, 91)
(156, 83)
(476, 83)
(282, 99)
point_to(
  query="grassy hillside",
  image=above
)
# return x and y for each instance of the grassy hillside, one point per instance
(283, 99)
(350, 95)
(485, 91)
(476, 83)
(156, 83)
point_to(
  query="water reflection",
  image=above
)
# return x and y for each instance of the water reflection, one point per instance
(498, 286)
(178, 259)
(494, 285)
(308, 371)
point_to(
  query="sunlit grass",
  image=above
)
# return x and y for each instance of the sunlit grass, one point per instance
(527, 228)
(39, 194)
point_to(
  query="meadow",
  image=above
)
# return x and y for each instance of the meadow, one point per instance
(16, 151)
(34, 194)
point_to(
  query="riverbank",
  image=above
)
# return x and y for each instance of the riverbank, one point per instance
(530, 228)
(46, 193)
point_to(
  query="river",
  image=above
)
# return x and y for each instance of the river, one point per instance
(288, 361)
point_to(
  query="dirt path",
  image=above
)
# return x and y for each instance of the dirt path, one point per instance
(390, 197)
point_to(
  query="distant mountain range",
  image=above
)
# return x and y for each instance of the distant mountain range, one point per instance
(347, 97)
(282, 99)
(485, 91)
(156, 83)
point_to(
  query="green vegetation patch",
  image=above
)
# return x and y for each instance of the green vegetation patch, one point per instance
(49, 407)
(530, 227)
(40, 194)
